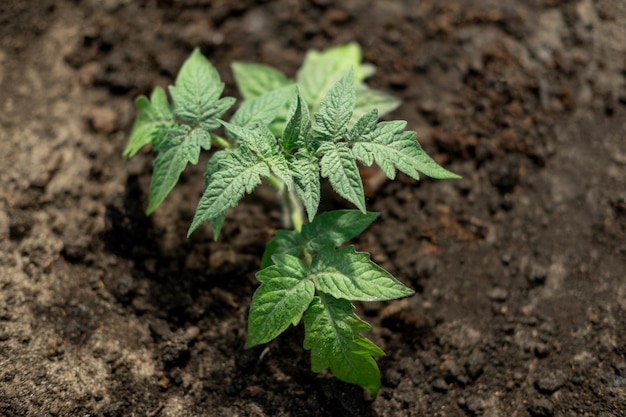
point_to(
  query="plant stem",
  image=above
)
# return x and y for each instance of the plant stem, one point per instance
(293, 211)
(294, 207)
(221, 141)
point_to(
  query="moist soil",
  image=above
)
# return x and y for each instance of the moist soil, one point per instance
(519, 268)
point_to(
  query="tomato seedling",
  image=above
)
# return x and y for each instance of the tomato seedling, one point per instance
(292, 134)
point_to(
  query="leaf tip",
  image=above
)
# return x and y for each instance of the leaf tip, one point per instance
(152, 206)
(194, 225)
(444, 174)
(196, 51)
(249, 343)
(373, 390)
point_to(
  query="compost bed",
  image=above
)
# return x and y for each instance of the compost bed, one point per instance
(519, 268)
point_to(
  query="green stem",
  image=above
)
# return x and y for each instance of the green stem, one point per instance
(308, 257)
(293, 211)
(294, 207)
(221, 141)
(276, 183)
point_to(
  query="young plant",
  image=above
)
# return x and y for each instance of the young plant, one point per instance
(291, 134)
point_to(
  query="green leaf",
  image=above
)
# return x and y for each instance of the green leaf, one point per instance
(258, 139)
(181, 146)
(281, 168)
(196, 93)
(335, 110)
(263, 143)
(321, 70)
(428, 166)
(298, 126)
(168, 166)
(349, 55)
(363, 126)
(368, 99)
(153, 117)
(239, 173)
(333, 228)
(216, 221)
(392, 148)
(332, 333)
(389, 147)
(210, 118)
(264, 108)
(306, 175)
(213, 166)
(288, 242)
(254, 80)
(345, 273)
(339, 166)
(284, 295)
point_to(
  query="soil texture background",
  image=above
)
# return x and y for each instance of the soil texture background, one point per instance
(519, 268)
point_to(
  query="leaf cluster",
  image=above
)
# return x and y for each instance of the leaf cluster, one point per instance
(319, 71)
(291, 134)
(306, 274)
(326, 132)
(178, 131)
(308, 148)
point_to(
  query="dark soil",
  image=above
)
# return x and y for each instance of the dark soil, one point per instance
(520, 268)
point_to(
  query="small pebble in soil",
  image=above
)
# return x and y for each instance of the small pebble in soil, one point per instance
(253, 391)
(453, 372)
(475, 364)
(191, 334)
(411, 368)
(103, 119)
(75, 249)
(124, 288)
(4, 225)
(540, 408)
(163, 383)
(537, 274)
(426, 265)
(619, 368)
(20, 224)
(473, 405)
(392, 377)
(4, 314)
(429, 360)
(498, 294)
(439, 385)
(551, 383)
(159, 329)
(505, 175)
(542, 350)
(174, 352)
